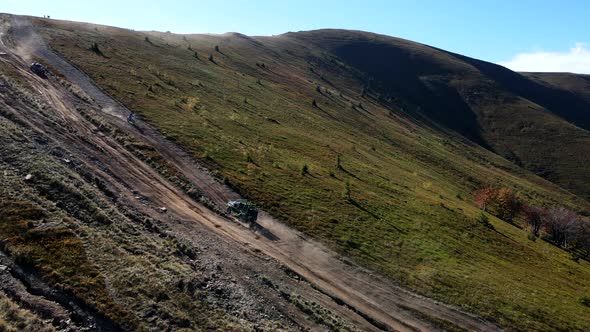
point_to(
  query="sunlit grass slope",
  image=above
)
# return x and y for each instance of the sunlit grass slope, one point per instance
(258, 111)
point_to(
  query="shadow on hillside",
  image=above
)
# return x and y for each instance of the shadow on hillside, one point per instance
(318, 107)
(259, 229)
(562, 103)
(364, 209)
(423, 85)
(268, 234)
(349, 173)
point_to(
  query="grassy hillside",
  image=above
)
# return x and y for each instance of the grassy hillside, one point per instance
(542, 127)
(575, 83)
(326, 133)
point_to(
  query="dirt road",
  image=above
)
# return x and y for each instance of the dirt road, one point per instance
(369, 301)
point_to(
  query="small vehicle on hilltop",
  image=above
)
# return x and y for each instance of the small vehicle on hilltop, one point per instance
(244, 211)
(131, 118)
(39, 69)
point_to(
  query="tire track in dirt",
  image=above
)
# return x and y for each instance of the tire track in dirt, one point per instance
(104, 156)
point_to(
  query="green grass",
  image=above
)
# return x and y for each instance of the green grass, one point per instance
(410, 214)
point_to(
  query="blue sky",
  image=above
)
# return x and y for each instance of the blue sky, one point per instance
(523, 33)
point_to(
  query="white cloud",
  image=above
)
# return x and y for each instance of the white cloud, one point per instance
(577, 60)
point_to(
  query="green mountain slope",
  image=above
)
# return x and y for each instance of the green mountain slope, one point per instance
(372, 144)
(542, 127)
(578, 84)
